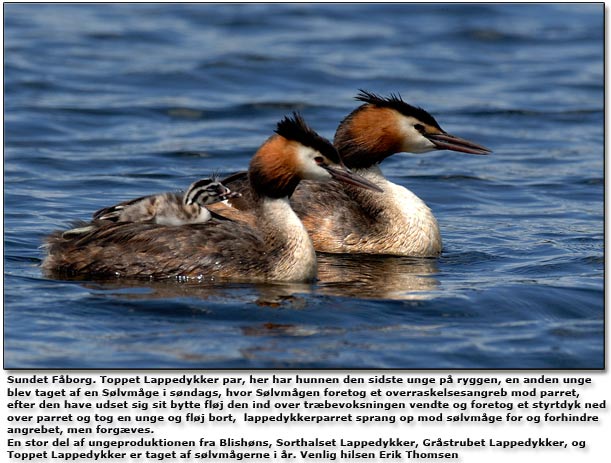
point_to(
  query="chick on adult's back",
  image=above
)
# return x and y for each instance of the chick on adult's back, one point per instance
(276, 247)
(170, 208)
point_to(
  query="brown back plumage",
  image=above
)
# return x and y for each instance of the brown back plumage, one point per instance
(216, 249)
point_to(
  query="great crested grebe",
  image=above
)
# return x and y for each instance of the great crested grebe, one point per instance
(277, 247)
(343, 219)
(170, 208)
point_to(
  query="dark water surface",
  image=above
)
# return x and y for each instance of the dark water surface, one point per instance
(108, 102)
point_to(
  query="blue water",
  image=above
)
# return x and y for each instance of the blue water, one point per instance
(108, 102)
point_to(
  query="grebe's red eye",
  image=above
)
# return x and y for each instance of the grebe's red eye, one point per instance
(319, 160)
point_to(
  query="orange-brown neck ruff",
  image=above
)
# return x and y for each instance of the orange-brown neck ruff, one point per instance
(271, 174)
(368, 135)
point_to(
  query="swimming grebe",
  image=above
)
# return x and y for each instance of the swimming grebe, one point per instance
(170, 208)
(277, 247)
(343, 219)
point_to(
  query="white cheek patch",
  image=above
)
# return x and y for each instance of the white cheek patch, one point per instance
(308, 168)
(414, 141)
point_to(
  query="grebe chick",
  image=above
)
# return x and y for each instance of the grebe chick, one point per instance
(170, 208)
(276, 247)
(343, 219)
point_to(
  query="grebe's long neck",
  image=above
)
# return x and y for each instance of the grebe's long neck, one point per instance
(404, 222)
(291, 253)
(372, 201)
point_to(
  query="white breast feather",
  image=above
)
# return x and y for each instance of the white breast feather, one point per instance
(413, 229)
(298, 260)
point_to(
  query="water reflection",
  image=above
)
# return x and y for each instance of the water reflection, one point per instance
(270, 295)
(377, 277)
(354, 276)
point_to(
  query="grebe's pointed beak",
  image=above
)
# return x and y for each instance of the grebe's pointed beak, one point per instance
(226, 193)
(343, 174)
(229, 194)
(445, 141)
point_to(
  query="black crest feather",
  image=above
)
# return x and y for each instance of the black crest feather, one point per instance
(394, 101)
(294, 128)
